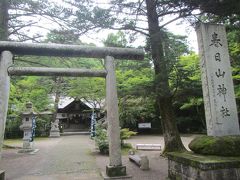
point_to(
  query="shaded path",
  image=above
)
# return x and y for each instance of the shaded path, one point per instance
(74, 158)
(63, 158)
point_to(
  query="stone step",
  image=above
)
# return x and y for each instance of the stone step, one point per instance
(75, 133)
(75, 130)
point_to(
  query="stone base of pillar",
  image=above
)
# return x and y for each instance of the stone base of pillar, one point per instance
(115, 171)
(105, 177)
(190, 166)
(2, 175)
(54, 134)
(26, 150)
(27, 144)
(27, 147)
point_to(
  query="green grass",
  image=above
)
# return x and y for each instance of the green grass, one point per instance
(126, 148)
(12, 141)
(19, 141)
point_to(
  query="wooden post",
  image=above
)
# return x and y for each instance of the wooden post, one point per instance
(115, 167)
(5, 62)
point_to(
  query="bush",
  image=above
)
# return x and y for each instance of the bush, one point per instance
(126, 134)
(12, 129)
(101, 139)
(190, 124)
(42, 127)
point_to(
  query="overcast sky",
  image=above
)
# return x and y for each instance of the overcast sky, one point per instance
(177, 27)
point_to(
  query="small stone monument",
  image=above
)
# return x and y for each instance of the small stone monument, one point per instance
(28, 127)
(55, 132)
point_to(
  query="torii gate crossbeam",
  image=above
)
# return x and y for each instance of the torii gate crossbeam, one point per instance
(8, 49)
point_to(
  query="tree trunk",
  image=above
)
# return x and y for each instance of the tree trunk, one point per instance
(4, 20)
(170, 132)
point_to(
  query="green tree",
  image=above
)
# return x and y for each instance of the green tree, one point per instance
(91, 90)
(221, 8)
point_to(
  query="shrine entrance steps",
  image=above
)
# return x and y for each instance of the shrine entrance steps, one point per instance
(68, 132)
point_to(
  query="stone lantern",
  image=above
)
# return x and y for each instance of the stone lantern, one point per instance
(28, 126)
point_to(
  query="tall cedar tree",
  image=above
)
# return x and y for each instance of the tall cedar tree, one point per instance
(164, 97)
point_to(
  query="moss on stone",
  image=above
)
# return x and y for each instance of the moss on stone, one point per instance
(112, 171)
(204, 162)
(220, 146)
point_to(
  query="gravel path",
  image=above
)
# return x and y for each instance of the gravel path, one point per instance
(64, 158)
(158, 164)
(75, 158)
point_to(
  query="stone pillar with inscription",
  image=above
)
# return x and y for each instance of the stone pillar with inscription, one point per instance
(218, 90)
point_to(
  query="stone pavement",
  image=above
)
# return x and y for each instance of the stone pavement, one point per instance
(64, 158)
(75, 158)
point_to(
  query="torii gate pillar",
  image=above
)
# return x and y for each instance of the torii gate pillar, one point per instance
(115, 167)
(5, 62)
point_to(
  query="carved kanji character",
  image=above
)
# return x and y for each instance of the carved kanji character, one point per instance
(217, 57)
(215, 40)
(225, 112)
(222, 91)
(219, 73)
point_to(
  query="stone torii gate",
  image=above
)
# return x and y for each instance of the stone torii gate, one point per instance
(8, 49)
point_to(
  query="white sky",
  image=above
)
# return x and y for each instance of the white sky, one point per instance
(176, 27)
(186, 30)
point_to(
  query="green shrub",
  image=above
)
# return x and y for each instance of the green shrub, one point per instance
(126, 134)
(101, 139)
(12, 129)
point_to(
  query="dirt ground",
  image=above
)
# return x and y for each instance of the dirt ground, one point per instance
(75, 157)
(158, 164)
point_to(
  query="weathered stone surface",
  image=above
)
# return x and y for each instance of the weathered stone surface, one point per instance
(112, 114)
(191, 166)
(5, 62)
(221, 146)
(204, 162)
(217, 84)
(55, 132)
(113, 171)
(51, 49)
(2, 175)
(105, 177)
(27, 126)
(39, 71)
(144, 162)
